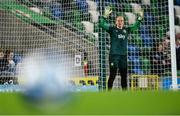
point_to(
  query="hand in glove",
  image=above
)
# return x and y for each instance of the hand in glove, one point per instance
(107, 12)
(140, 15)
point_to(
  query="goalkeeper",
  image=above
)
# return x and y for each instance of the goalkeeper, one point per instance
(118, 45)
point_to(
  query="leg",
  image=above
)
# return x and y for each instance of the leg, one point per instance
(113, 71)
(123, 71)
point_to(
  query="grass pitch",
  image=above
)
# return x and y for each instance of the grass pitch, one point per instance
(98, 103)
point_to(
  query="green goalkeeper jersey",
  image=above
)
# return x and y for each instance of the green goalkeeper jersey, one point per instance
(118, 37)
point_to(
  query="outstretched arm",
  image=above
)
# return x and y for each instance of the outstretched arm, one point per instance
(136, 25)
(103, 23)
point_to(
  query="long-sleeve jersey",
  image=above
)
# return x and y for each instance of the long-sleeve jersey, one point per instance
(118, 37)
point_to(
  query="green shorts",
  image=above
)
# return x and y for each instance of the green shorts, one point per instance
(118, 61)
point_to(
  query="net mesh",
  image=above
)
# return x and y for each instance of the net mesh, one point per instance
(149, 64)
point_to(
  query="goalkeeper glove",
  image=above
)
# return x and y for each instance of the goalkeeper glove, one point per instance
(140, 15)
(107, 12)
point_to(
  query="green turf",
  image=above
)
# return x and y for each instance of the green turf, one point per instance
(109, 103)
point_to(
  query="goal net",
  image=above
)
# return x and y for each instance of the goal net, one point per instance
(149, 51)
(55, 28)
(71, 28)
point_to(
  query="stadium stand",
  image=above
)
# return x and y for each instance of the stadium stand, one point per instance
(90, 8)
(43, 29)
(146, 2)
(177, 2)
